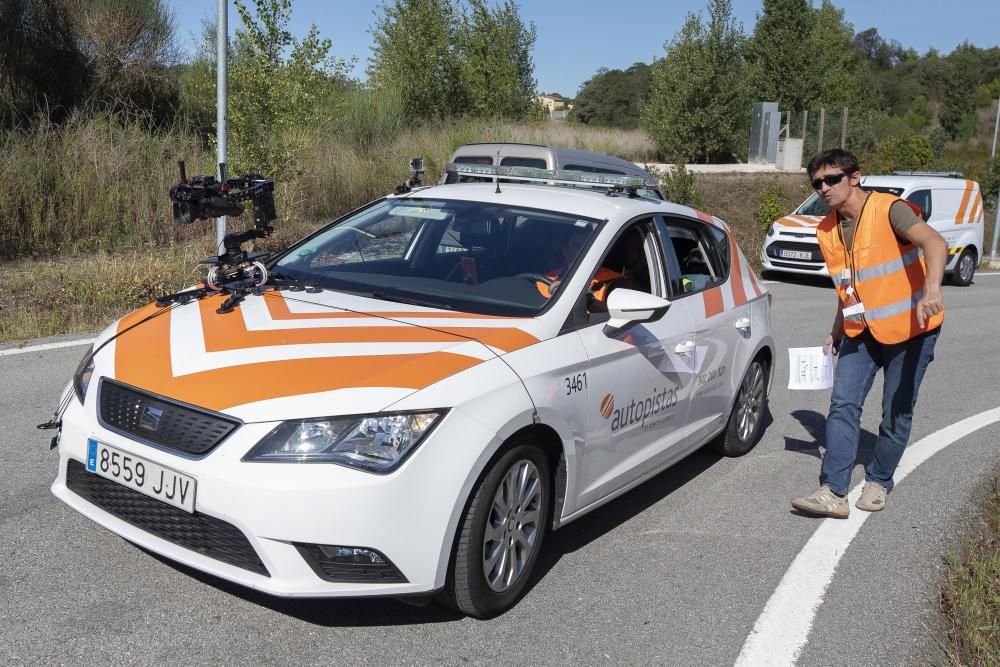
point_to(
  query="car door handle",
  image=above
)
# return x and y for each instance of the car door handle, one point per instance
(687, 347)
(742, 323)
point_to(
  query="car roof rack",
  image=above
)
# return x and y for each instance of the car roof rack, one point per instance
(944, 174)
(613, 182)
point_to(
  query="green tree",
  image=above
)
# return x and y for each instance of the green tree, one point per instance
(837, 78)
(41, 67)
(493, 46)
(698, 108)
(613, 98)
(918, 116)
(278, 83)
(413, 54)
(958, 105)
(781, 54)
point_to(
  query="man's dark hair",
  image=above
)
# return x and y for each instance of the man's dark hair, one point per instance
(835, 157)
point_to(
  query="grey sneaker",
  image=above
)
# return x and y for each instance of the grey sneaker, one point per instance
(872, 498)
(823, 502)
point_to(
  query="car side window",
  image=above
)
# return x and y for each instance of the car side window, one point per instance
(922, 198)
(633, 262)
(700, 256)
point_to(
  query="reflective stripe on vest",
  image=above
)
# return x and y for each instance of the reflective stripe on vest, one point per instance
(887, 276)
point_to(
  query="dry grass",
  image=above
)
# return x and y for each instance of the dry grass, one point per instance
(970, 596)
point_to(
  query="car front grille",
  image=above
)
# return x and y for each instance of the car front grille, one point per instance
(789, 265)
(161, 421)
(774, 250)
(198, 532)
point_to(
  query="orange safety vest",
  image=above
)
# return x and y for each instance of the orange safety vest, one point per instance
(599, 284)
(887, 275)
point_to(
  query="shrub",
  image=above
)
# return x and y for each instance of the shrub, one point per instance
(769, 205)
(907, 152)
(677, 184)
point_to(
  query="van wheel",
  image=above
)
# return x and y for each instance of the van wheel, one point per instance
(965, 268)
(747, 418)
(501, 533)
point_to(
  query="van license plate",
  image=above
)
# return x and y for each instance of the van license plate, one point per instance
(796, 254)
(142, 475)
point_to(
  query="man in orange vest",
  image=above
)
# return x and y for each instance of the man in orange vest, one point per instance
(887, 265)
(568, 250)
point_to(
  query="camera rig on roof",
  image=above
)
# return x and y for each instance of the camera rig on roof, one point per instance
(236, 271)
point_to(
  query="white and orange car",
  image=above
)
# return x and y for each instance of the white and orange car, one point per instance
(950, 204)
(418, 423)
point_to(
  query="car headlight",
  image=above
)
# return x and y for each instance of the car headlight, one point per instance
(770, 230)
(84, 371)
(376, 443)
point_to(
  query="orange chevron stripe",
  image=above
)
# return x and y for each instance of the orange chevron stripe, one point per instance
(806, 222)
(791, 222)
(713, 302)
(959, 218)
(976, 208)
(142, 358)
(704, 217)
(503, 338)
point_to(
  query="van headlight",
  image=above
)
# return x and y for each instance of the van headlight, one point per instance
(84, 371)
(770, 230)
(376, 443)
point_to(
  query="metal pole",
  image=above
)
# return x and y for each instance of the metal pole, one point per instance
(996, 219)
(221, 105)
(822, 122)
(843, 130)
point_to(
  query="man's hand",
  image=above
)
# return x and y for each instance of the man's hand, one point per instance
(831, 344)
(931, 304)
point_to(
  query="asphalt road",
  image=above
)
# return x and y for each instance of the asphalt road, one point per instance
(675, 572)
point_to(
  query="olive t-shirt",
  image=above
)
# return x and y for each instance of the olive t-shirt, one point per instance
(901, 217)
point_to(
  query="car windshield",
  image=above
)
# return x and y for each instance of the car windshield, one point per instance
(814, 205)
(457, 255)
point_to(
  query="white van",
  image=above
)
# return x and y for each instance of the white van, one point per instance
(547, 157)
(951, 204)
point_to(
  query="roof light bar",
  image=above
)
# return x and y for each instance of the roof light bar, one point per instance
(566, 176)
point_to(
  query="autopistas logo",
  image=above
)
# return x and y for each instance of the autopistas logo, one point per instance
(646, 412)
(607, 405)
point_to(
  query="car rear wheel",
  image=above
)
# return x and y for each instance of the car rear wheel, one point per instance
(747, 418)
(501, 533)
(965, 268)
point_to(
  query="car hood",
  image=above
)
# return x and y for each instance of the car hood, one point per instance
(285, 355)
(803, 224)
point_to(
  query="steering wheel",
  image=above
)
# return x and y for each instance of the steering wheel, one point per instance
(536, 277)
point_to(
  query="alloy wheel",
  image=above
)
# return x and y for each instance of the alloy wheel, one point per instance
(750, 403)
(512, 526)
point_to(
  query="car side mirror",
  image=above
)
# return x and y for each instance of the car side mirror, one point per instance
(628, 307)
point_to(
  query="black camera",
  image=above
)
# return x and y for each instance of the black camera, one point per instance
(204, 197)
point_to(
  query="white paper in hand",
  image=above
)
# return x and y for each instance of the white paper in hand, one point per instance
(809, 368)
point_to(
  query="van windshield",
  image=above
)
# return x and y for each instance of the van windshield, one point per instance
(814, 205)
(458, 255)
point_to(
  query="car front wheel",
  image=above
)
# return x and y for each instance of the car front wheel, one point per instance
(501, 533)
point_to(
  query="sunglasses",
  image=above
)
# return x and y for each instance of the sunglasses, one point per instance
(830, 179)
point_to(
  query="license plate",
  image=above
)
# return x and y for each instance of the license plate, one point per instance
(141, 474)
(796, 254)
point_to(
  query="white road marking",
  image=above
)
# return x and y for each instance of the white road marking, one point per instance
(45, 346)
(782, 629)
(989, 273)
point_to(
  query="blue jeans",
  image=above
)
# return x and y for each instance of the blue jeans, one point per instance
(903, 366)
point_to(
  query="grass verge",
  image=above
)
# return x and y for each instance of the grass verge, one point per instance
(970, 596)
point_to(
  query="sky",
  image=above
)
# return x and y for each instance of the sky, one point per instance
(575, 39)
